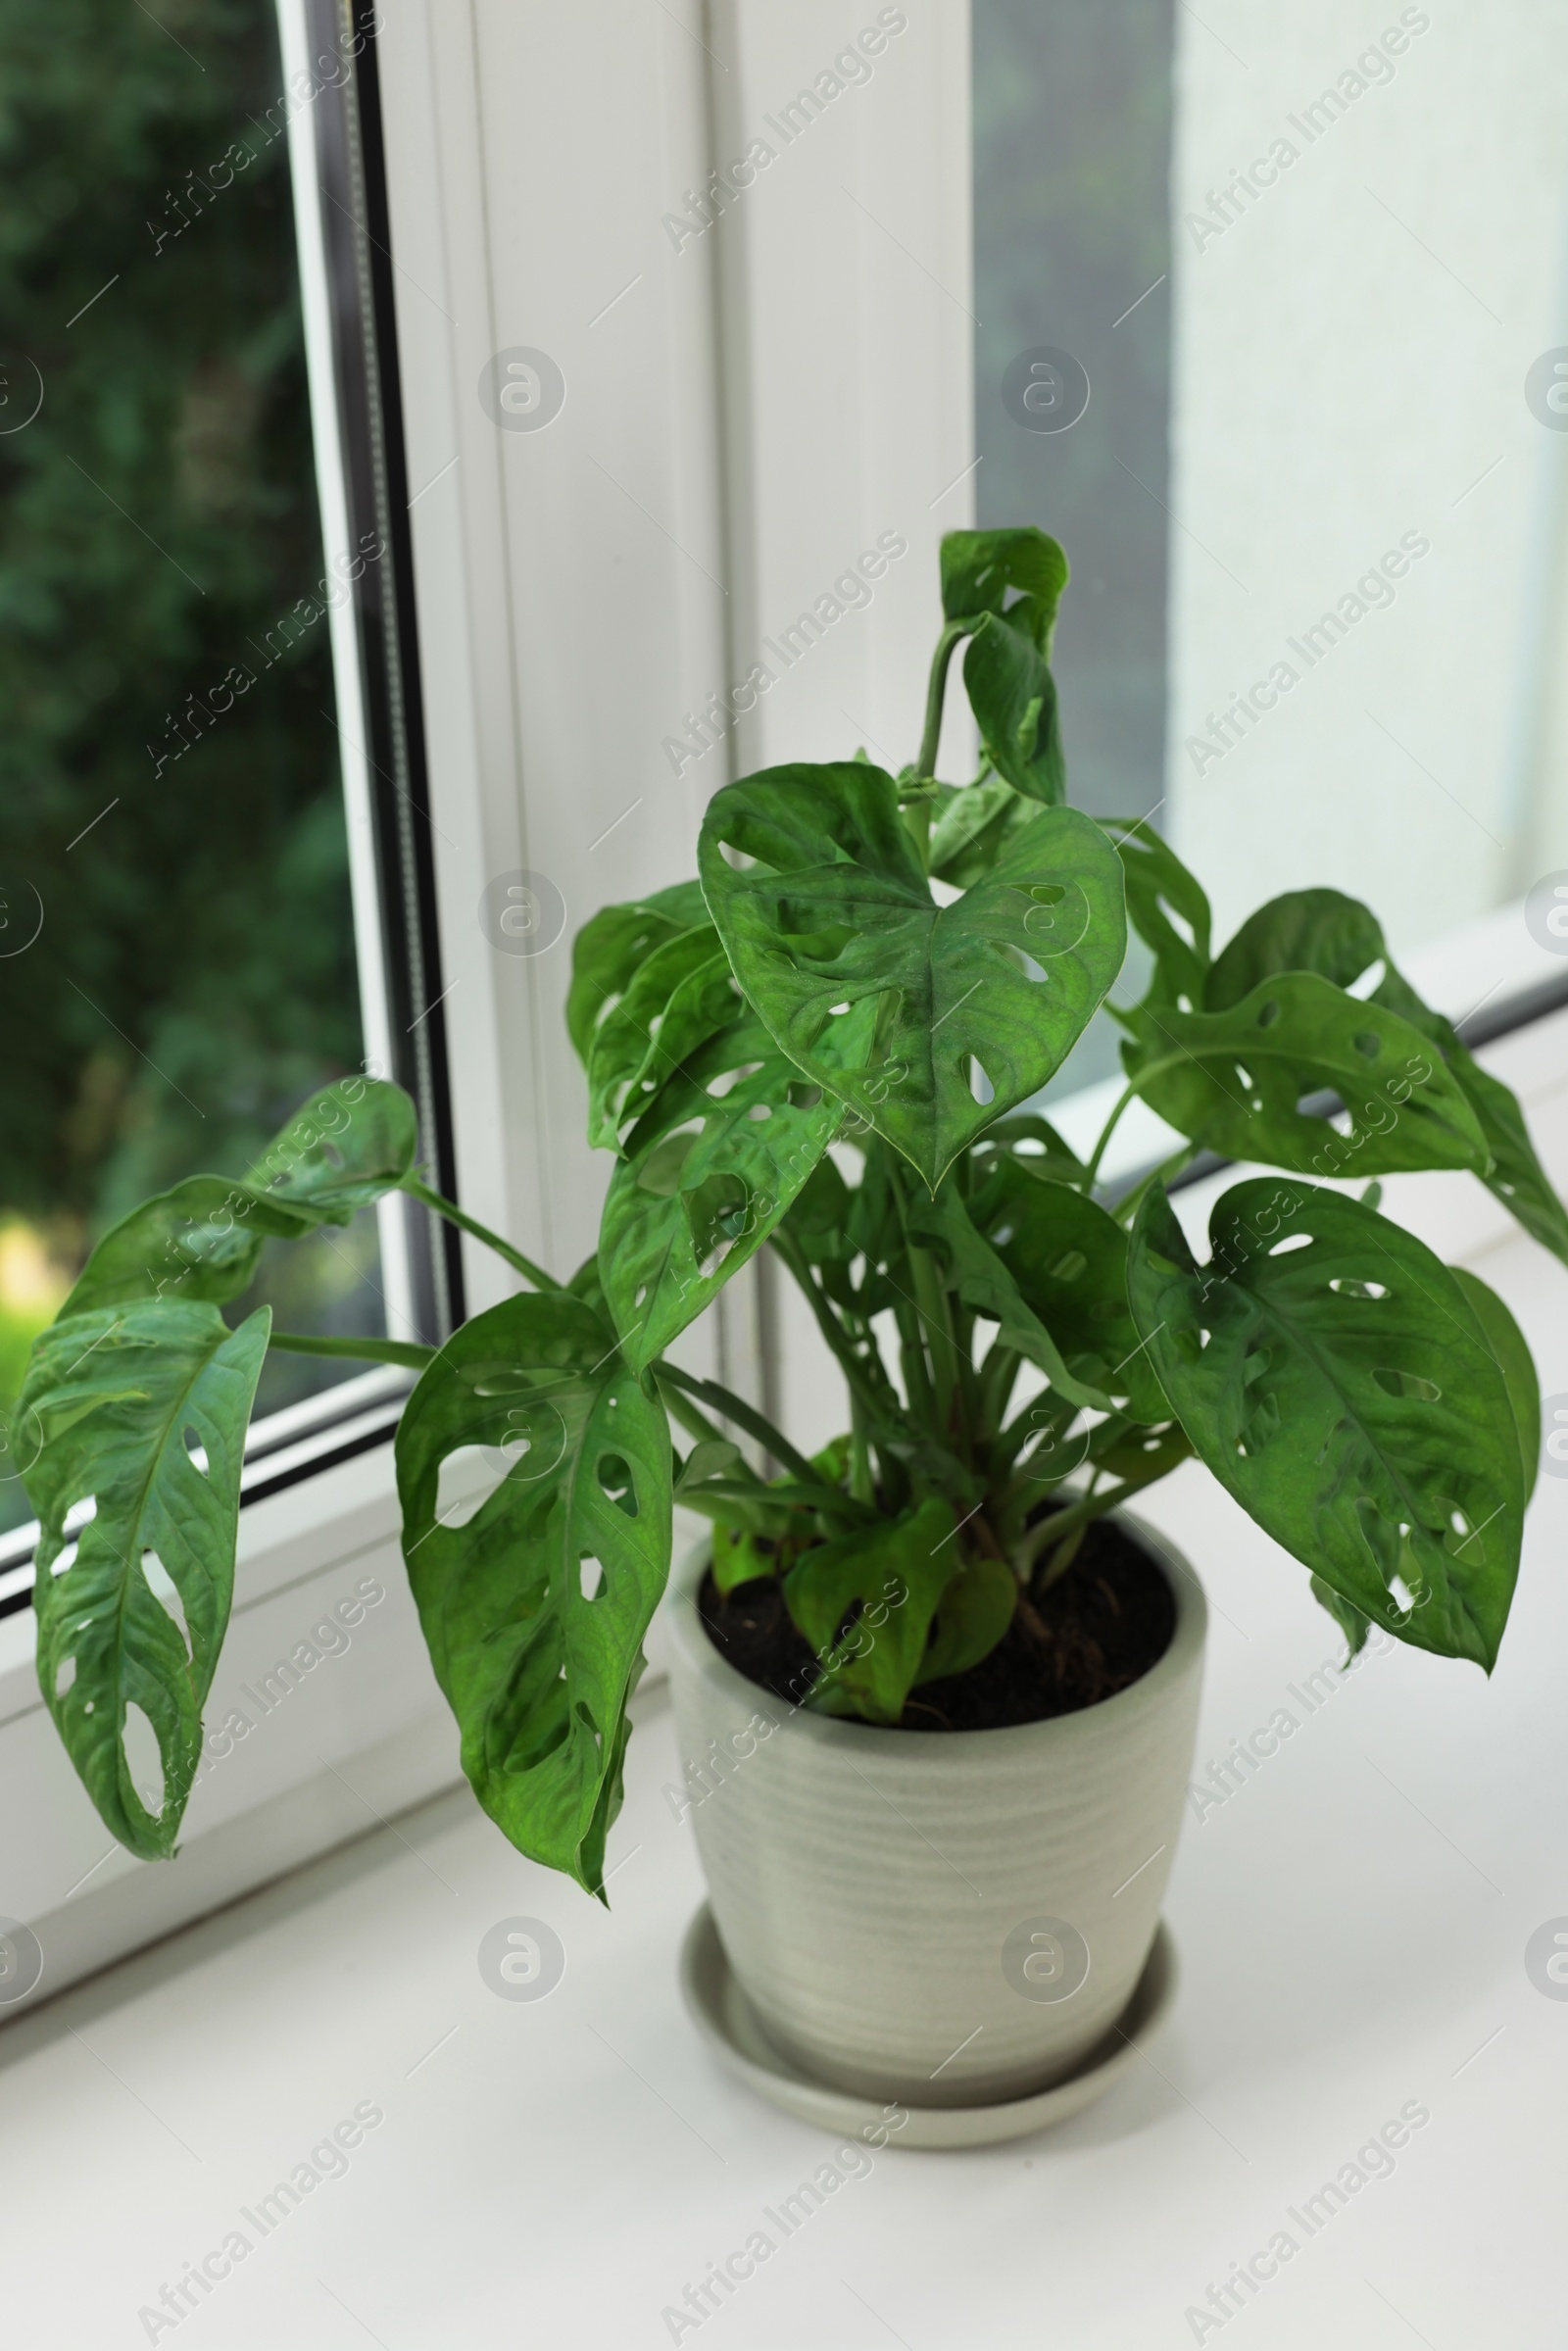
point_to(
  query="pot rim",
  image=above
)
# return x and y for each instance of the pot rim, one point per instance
(845, 1732)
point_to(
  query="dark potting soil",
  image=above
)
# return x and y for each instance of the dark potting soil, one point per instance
(1105, 1622)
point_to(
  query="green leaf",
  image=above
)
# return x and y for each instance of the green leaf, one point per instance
(1352, 1623)
(348, 1144)
(972, 824)
(984, 1282)
(534, 1609)
(1070, 1260)
(1233, 1081)
(201, 1241)
(705, 1181)
(1014, 697)
(123, 1397)
(1167, 907)
(1332, 1374)
(1340, 939)
(1516, 1176)
(979, 568)
(1505, 1343)
(1306, 930)
(674, 1002)
(893, 1577)
(837, 912)
(974, 1612)
(1035, 1144)
(611, 946)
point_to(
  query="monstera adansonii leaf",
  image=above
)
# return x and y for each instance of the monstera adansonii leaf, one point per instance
(534, 1606)
(1336, 1379)
(139, 1410)
(1070, 1260)
(1239, 1080)
(614, 944)
(709, 1170)
(1168, 909)
(201, 1241)
(833, 912)
(890, 1581)
(1323, 931)
(1006, 670)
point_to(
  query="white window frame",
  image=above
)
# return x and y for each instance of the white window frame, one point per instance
(578, 590)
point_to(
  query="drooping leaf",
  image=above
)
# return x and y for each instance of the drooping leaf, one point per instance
(893, 1577)
(679, 995)
(974, 1611)
(709, 1170)
(534, 1609)
(1167, 907)
(1070, 1260)
(1516, 1175)
(201, 1240)
(1331, 1374)
(1014, 697)
(1340, 939)
(1235, 1080)
(122, 1401)
(981, 567)
(611, 946)
(835, 914)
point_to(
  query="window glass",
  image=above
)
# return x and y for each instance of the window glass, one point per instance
(1316, 505)
(177, 962)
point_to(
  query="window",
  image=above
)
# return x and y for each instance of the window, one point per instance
(212, 846)
(1295, 425)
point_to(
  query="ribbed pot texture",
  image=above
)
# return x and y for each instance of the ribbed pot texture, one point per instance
(947, 1918)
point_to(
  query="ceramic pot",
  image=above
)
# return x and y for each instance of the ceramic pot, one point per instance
(946, 1917)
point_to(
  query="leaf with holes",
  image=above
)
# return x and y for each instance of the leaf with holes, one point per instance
(534, 1608)
(612, 945)
(709, 1170)
(1235, 1081)
(1070, 1260)
(1340, 939)
(835, 914)
(201, 1241)
(141, 1410)
(1167, 907)
(1331, 1373)
(891, 1581)
(678, 998)
(980, 568)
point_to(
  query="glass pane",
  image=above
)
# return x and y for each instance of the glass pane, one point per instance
(177, 955)
(1072, 127)
(1317, 504)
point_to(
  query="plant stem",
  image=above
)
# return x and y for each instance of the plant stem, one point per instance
(733, 1407)
(1129, 1093)
(849, 1361)
(362, 1350)
(514, 1258)
(936, 692)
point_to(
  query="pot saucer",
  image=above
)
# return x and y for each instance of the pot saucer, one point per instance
(724, 2017)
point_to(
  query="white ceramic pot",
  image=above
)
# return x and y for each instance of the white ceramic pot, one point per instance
(947, 1918)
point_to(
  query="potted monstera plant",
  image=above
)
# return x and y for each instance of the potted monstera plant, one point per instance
(936, 1691)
